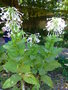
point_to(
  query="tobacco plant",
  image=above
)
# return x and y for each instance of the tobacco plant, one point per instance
(29, 62)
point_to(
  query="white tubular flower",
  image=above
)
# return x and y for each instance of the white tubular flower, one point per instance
(7, 24)
(37, 40)
(66, 64)
(3, 17)
(56, 25)
(29, 39)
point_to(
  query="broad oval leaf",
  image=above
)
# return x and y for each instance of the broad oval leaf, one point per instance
(11, 81)
(24, 68)
(11, 66)
(46, 79)
(29, 78)
(51, 66)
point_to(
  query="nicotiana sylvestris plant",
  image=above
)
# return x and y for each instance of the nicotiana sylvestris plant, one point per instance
(27, 61)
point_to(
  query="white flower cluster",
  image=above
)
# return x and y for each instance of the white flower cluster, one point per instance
(56, 25)
(10, 15)
(33, 38)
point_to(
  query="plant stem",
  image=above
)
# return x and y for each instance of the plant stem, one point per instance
(22, 85)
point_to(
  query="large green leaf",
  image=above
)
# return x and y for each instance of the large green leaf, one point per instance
(11, 81)
(42, 71)
(24, 68)
(29, 78)
(51, 66)
(8, 45)
(46, 79)
(53, 53)
(12, 50)
(11, 66)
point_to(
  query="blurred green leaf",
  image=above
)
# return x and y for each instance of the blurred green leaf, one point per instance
(29, 78)
(24, 68)
(11, 66)
(51, 66)
(11, 81)
(46, 79)
(1, 68)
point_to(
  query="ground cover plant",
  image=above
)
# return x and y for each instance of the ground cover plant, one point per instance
(26, 60)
